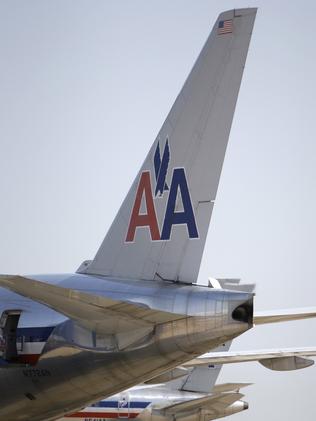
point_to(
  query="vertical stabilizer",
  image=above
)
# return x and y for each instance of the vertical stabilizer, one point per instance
(161, 227)
(202, 379)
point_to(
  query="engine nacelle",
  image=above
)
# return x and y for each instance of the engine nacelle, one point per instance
(286, 363)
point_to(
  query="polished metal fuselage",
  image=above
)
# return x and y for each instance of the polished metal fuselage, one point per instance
(148, 403)
(78, 367)
(140, 402)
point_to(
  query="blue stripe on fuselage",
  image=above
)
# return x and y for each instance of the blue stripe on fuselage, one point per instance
(35, 334)
(114, 404)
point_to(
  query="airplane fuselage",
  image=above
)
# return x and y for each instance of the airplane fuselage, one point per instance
(145, 403)
(70, 366)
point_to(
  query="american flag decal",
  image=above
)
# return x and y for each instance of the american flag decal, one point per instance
(225, 27)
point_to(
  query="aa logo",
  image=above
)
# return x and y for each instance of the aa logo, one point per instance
(177, 190)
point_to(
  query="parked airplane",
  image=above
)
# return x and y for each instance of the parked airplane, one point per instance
(134, 311)
(193, 396)
(164, 404)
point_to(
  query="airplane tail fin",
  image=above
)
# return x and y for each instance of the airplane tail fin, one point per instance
(161, 227)
(202, 379)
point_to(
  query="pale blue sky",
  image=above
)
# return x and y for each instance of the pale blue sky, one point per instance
(85, 87)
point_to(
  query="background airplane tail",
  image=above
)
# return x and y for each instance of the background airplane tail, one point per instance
(161, 227)
(202, 379)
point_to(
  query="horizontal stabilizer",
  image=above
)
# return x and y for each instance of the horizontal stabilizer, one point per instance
(98, 313)
(223, 400)
(277, 316)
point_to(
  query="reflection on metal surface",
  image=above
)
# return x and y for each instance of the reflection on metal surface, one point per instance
(80, 366)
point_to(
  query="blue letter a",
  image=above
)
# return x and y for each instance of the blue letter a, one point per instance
(179, 183)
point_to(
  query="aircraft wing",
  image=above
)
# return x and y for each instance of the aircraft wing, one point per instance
(98, 313)
(229, 387)
(280, 360)
(264, 317)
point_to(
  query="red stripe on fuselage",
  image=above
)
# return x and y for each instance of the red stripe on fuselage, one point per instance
(31, 359)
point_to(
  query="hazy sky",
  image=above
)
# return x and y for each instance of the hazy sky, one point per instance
(85, 87)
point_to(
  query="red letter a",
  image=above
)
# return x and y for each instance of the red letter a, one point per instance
(148, 219)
